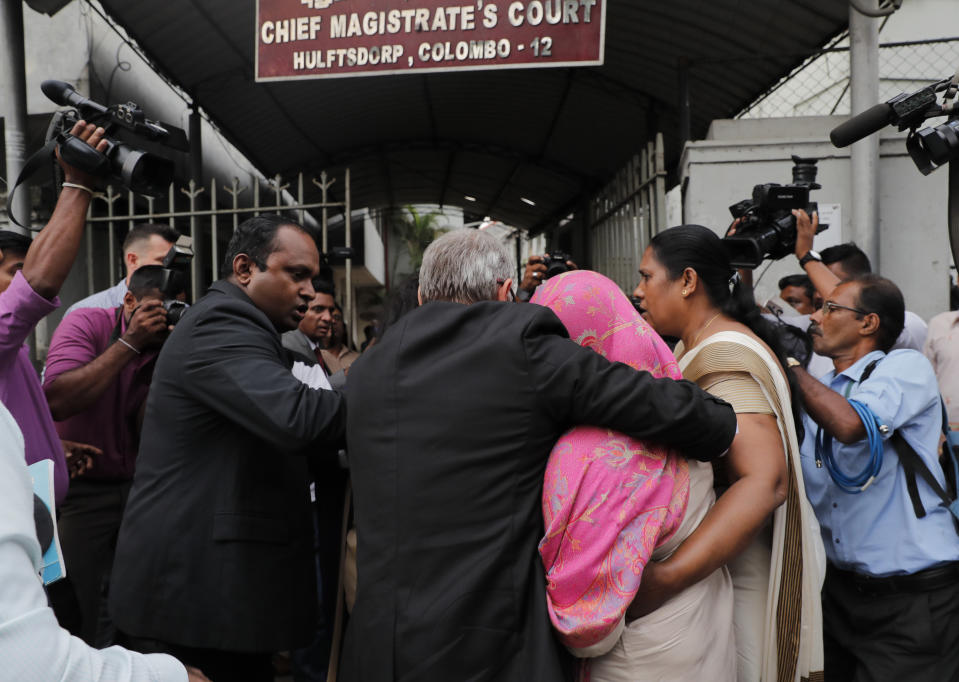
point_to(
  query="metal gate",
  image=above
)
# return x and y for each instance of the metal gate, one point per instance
(626, 214)
(210, 228)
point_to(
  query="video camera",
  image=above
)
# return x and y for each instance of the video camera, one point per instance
(138, 170)
(767, 227)
(930, 147)
(176, 265)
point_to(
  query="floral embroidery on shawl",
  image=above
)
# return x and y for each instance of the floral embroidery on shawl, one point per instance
(608, 500)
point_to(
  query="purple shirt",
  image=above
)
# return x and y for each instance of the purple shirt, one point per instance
(20, 310)
(110, 423)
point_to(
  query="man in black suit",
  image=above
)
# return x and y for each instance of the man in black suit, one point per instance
(451, 417)
(215, 555)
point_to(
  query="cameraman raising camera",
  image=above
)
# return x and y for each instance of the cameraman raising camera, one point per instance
(33, 646)
(31, 274)
(839, 263)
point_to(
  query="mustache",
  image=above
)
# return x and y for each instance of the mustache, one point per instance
(814, 329)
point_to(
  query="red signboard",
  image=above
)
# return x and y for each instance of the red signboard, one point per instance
(329, 38)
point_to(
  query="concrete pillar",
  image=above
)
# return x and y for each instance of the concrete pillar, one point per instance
(864, 155)
(13, 103)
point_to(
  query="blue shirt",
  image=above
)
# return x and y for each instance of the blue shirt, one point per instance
(876, 532)
(108, 298)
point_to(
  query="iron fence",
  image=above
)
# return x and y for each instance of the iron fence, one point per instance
(627, 213)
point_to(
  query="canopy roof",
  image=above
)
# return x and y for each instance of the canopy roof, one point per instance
(549, 135)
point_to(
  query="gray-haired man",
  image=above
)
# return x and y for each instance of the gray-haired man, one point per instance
(451, 419)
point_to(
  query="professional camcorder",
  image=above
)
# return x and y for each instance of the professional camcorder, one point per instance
(930, 147)
(767, 227)
(176, 265)
(138, 170)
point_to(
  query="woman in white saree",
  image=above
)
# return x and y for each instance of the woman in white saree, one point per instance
(762, 526)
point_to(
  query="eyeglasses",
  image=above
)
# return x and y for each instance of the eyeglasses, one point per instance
(500, 281)
(831, 307)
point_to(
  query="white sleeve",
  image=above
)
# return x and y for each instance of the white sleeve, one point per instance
(33, 647)
(913, 333)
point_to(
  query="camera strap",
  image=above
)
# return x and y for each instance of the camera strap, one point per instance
(33, 164)
(73, 151)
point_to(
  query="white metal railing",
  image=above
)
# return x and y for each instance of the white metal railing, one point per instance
(209, 213)
(627, 213)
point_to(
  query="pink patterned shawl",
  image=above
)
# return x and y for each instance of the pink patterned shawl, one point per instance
(608, 500)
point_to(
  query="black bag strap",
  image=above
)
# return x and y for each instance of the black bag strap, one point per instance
(912, 463)
(866, 373)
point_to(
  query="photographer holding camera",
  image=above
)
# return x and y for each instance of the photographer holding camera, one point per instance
(98, 373)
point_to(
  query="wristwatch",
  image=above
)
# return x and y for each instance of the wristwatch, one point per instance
(810, 255)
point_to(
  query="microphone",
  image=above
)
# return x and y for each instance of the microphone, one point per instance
(63, 94)
(861, 125)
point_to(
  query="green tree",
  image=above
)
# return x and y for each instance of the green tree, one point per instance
(418, 231)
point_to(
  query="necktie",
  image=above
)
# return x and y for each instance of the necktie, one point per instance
(320, 361)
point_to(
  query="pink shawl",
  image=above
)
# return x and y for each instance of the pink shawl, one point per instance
(608, 500)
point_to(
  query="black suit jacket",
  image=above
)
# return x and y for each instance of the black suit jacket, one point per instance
(216, 545)
(451, 418)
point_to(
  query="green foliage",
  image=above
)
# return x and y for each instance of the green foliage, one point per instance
(418, 231)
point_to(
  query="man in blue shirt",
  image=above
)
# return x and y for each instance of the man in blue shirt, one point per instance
(891, 595)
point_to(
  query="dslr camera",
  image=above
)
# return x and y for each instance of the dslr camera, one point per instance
(767, 227)
(136, 169)
(176, 265)
(556, 263)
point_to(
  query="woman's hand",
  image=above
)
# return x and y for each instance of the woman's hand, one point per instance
(756, 464)
(655, 589)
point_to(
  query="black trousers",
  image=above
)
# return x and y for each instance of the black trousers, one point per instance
(88, 524)
(910, 635)
(219, 666)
